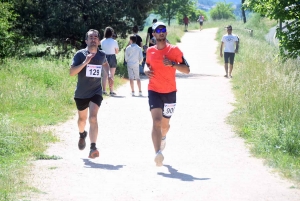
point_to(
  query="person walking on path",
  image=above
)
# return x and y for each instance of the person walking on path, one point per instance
(186, 22)
(111, 48)
(162, 61)
(231, 46)
(134, 58)
(201, 20)
(87, 64)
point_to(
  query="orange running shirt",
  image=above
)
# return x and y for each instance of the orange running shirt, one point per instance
(163, 80)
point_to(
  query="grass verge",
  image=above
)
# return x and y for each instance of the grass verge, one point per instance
(267, 92)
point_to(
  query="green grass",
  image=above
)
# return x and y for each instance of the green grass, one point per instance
(267, 91)
(34, 92)
(37, 92)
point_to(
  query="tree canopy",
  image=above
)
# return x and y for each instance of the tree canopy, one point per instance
(56, 20)
(286, 11)
(171, 8)
(222, 11)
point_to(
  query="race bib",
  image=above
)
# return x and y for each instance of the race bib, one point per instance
(93, 70)
(169, 109)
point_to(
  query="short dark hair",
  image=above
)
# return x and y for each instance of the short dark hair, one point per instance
(135, 29)
(108, 32)
(91, 30)
(154, 20)
(229, 27)
(133, 38)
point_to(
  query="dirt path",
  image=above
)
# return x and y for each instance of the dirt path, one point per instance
(204, 159)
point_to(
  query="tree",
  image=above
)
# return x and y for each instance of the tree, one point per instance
(7, 36)
(282, 10)
(44, 20)
(171, 8)
(222, 11)
(243, 12)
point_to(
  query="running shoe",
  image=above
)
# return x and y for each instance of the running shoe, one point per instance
(94, 153)
(159, 159)
(140, 93)
(163, 143)
(112, 93)
(81, 142)
(104, 93)
(132, 93)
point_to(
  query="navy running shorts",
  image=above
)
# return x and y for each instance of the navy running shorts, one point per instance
(112, 60)
(82, 104)
(165, 101)
(229, 56)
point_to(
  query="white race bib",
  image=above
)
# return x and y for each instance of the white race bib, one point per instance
(169, 109)
(93, 70)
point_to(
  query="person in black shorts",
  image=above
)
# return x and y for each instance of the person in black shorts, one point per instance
(87, 65)
(230, 42)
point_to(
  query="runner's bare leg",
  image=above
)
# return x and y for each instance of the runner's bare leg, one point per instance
(93, 109)
(156, 128)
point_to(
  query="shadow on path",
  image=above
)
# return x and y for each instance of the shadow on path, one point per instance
(193, 75)
(174, 174)
(90, 164)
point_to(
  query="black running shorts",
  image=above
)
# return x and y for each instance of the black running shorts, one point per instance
(82, 104)
(159, 100)
(229, 56)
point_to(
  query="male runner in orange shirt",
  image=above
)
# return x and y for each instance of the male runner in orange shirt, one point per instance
(162, 61)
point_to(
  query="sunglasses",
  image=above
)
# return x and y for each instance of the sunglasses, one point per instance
(162, 30)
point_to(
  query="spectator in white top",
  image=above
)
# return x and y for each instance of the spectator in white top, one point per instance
(231, 46)
(111, 48)
(134, 57)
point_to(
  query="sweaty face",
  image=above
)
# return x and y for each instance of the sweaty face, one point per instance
(93, 39)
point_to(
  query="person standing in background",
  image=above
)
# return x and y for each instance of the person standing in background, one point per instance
(139, 42)
(231, 46)
(87, 64)
(134, 58)
(186, 22)
(111, 48)
(149, 34)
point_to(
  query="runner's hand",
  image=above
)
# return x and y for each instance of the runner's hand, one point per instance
(167, 61)
(89, 57)
(149, 73)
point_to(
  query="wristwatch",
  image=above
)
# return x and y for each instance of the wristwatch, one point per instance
(173, 63)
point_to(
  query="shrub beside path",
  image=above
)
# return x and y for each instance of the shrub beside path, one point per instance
(204, 159)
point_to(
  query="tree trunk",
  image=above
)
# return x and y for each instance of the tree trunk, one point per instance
(243, 12)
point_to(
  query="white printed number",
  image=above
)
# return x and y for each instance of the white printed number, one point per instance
(169, 109)
(93, 70)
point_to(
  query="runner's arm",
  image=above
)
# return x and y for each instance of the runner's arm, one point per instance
(74, 70)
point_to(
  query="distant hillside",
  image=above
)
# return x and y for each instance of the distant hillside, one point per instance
(207, 4)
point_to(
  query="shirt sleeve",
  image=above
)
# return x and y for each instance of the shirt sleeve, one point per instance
(116, 44)
(178, 55)
(77, 59)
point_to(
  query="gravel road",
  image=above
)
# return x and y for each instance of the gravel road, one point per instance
(204, 159)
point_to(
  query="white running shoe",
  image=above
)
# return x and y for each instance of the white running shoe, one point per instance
(140, 93)
(132, 93)
(159, 159)
(163, 143)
